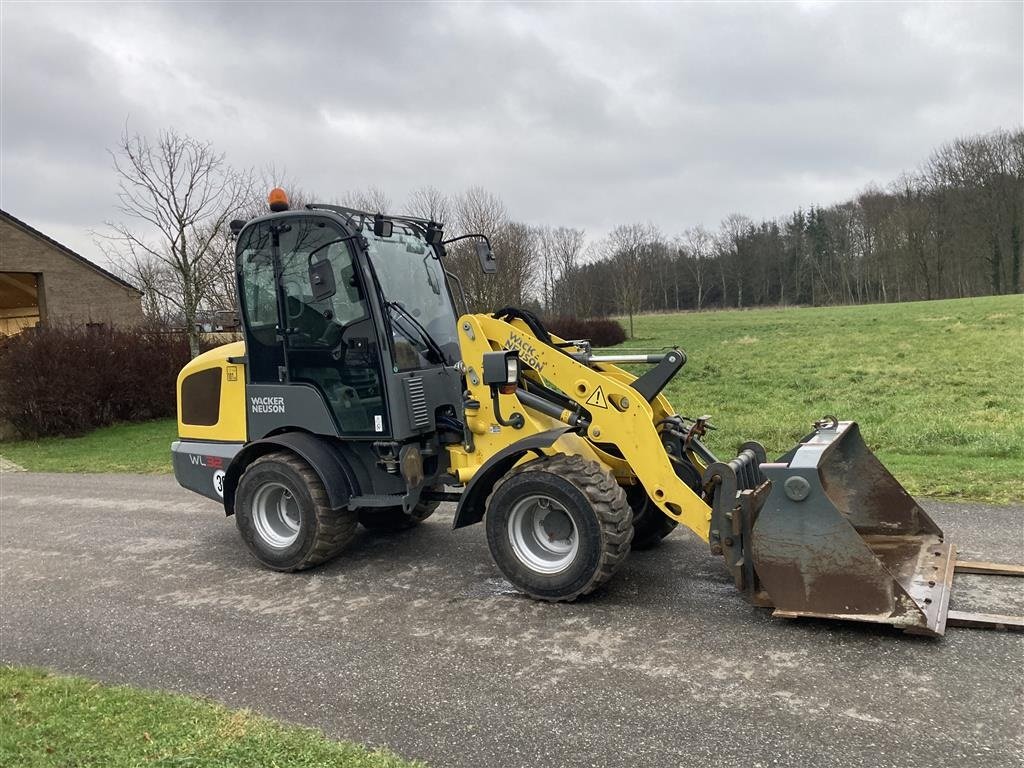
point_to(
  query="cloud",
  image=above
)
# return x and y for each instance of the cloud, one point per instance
(585, 115)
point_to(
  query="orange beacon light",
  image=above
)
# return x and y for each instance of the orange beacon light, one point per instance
(277, 200)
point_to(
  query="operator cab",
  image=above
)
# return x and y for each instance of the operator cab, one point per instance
(349, 323)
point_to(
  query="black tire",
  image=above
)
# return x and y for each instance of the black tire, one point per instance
(650, 524)
(578, 489)
(391, 519)
(319, 532)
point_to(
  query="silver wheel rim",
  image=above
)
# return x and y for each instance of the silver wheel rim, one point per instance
(543, 534)
(275, 513)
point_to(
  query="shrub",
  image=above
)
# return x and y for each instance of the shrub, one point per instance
(602, 332)
(68, 380)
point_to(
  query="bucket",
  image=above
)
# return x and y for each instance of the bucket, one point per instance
(838, 537)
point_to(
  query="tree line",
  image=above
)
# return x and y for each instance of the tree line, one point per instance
(950, 228)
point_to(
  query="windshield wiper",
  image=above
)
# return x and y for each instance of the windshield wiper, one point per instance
(424, 334)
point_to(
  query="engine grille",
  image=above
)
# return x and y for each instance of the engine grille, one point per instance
(419, 414)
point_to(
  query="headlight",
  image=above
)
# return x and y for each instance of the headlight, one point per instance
(501, 370)
(512, 369)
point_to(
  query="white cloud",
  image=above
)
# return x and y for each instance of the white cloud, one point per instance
(587, 115)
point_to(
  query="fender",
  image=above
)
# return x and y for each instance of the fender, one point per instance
(339, 478)
(474, 498)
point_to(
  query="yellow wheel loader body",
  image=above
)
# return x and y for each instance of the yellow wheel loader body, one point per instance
(359, 397)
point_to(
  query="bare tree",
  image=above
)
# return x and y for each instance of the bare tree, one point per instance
(568, 245)
(429, 203)
(628, 248)
(732, 256)
(560, 250)
(222, 295)
(178, 194)
(479, 211)
(548, 273)
(698, 248)
(372, 199)
(586, 291)
(155, 279)
(518, 248)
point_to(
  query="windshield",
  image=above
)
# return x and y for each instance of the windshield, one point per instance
(412, 279)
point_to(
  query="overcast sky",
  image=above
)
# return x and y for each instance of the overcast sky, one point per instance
(583, 115)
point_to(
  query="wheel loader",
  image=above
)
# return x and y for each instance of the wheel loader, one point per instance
(361, 396)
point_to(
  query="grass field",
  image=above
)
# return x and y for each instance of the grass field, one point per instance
(47, 721)
(938, 389)
(137, 448)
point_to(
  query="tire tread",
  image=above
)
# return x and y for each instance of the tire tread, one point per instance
(335, 529)
(609, 503)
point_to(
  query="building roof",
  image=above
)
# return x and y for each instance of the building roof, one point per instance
(67, 251)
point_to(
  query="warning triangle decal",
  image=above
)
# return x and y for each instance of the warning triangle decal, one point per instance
(597, 399)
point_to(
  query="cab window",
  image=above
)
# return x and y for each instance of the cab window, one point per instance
(312, 322)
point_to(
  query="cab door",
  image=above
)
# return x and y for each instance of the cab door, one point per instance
(327, 342)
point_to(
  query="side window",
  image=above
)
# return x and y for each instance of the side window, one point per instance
(318, 323)
(260, 301)
(258, 295)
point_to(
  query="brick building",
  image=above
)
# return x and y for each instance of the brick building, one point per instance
(43, 281)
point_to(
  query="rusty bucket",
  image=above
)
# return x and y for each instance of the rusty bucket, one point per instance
(838, 537)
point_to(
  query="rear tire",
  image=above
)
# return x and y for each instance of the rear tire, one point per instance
(650, 524)
(284, 516)
(558, 527)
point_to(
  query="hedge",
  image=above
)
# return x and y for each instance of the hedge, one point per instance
(70, 380)
(602, 332)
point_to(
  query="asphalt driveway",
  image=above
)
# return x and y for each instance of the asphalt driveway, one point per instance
(415, 641)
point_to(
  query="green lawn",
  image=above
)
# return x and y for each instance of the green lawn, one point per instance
(937, 387)
(137, 448)
(52, 721)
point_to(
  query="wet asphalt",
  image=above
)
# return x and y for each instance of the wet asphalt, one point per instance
(415, 642)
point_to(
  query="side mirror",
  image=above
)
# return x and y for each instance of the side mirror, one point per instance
(488, 261)
(382, 227)
(321, 280)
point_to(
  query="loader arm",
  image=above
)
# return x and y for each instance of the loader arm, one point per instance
(619, 420)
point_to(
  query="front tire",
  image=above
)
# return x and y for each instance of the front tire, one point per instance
(558, 527)
(650, 524)
(284, 516)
